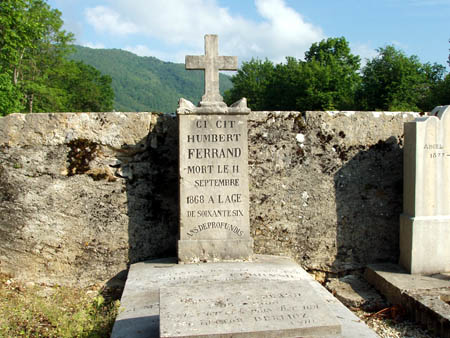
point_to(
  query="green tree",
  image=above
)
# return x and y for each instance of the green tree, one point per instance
(48, 53)
(34, 71)
(327, 79)
(251, 82)
(32, 44)
(17, 34)
(331, 74)
(87, 89)
(393, 81)
(435, 89)
(286, 85)
(9, 95)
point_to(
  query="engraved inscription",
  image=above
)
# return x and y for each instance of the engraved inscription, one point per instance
(436, 150)
(216, 225)
(266, 307)
(212, 174)
(230, 307)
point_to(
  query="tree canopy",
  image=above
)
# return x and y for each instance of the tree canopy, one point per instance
(38, 74)
(393, 81)
(325, 80)
(330, 78)
(33, 66)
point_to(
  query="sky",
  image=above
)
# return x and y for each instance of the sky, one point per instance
(273, 29)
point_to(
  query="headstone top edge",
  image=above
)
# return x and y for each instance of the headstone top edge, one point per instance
(186, 107)
(439, 113)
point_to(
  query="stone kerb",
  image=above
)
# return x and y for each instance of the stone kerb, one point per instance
(425, 222)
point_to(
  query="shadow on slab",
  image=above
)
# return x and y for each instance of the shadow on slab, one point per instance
(143, 327)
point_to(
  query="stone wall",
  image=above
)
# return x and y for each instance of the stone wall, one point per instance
(83, 195)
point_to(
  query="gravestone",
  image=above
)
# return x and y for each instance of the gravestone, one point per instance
(425, 222)
(213, 169)
(235, 293)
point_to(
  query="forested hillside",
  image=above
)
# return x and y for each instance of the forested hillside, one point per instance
(35, 74)
(146, 83)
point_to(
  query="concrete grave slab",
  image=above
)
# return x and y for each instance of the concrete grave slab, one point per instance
(139, 313)
(425, 298)
(245, 309)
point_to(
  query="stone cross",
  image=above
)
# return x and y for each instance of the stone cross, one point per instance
(211, 62)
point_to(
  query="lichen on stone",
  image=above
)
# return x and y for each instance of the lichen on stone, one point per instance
(81, 153)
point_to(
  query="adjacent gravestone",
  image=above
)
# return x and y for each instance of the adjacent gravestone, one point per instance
(213, 169)
(425, 222)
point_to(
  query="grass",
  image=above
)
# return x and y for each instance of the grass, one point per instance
(28, 310)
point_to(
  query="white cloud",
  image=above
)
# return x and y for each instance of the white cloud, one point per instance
(181, 25)
(106, 19)
(399, 44)
(140, 50)
(364, 51)
(93, 45)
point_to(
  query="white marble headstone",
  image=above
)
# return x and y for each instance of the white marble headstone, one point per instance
(425, 222)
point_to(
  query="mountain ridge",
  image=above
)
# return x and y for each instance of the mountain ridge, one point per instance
(145, 83)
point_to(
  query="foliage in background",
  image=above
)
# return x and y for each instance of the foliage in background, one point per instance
(326, 80)
(393, 81)
(40, 71)
(146, 83)
(41, 311)
(251, 81)
(331, 76)
(330, 79)
(33, 64)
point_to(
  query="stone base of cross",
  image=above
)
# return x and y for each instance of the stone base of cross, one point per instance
(211, 63)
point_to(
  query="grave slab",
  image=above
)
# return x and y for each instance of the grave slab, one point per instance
(425, 298)
(139, 313)
(245, 309)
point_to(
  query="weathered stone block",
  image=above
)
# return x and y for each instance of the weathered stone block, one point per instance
(325, 189)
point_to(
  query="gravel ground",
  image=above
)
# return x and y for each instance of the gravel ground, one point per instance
(387, 328)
